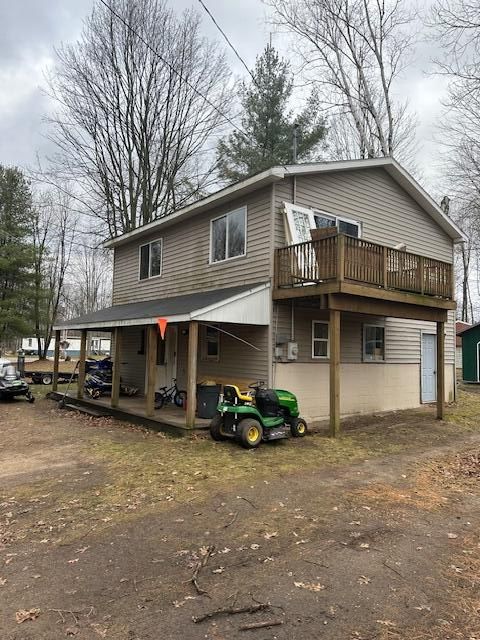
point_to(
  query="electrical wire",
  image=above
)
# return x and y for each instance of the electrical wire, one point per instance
(228, 41)
(172, 68)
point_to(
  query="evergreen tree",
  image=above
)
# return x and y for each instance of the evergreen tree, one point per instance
(16, 255)
(269, 123)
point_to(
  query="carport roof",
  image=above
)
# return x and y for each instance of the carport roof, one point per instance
(227, 305)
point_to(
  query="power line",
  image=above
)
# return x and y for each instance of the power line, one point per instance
(172, 68)
(227, 39)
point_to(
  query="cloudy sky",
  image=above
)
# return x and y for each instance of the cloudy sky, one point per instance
(31, 29)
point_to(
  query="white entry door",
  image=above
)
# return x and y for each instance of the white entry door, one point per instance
(429, 366)
(167, 361)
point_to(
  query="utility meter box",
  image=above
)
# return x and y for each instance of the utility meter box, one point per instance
(292, 350)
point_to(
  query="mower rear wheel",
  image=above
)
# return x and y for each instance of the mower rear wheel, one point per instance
(298, 428)
(216, 428)
(250, 433)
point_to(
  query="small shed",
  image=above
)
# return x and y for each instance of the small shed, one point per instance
(471, 353)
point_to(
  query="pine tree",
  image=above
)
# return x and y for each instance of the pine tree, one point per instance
(16, 255)
(269, 123)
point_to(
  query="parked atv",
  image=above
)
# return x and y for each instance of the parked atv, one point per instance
(262, 414)
(11, 383)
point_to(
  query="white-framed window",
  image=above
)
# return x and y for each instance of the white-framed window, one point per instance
(373, 343)
(211, 344)
(320, 339)
(301, 220)
(150, 257)
(228, 235)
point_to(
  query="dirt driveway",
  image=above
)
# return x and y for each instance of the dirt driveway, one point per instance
(107, 531)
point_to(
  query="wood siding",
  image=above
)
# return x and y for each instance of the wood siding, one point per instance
(186, 251)
(387, 213)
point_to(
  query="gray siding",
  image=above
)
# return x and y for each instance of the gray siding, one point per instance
(186, 248)
(132, 369)
(387, 213)
(237, 361)
(402, 337)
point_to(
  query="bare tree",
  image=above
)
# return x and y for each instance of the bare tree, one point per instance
(53, 233)
(354, 51)
(89, 283)
(139, 95)
(456, 28)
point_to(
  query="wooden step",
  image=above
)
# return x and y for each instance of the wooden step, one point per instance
(87, 410)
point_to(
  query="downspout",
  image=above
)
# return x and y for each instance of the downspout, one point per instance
(271, 337)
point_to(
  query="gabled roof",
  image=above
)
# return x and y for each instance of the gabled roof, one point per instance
(275, 174)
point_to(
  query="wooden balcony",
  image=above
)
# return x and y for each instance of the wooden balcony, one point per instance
(347, 265)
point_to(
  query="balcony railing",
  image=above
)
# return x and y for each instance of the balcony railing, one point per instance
(344, 258)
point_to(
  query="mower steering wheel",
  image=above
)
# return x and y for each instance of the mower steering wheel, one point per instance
(256, 385)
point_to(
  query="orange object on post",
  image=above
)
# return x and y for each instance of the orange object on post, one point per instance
(162, 325)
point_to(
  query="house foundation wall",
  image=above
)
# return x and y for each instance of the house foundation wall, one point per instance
(364, 388)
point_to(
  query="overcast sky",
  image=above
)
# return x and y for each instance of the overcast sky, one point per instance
(30, 29)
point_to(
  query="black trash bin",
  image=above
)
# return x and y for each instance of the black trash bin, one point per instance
(207, 399)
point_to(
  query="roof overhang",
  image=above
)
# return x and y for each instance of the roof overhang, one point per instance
(239, 305)
(275, 174)
(216, 199)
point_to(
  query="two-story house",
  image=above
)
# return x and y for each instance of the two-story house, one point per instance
(333, 280)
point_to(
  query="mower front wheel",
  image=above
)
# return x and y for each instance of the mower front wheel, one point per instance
(298, 427)
(216, 424)
(250, 433)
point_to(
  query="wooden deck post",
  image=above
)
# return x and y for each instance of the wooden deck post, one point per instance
(56, 360)
(385, 267)
(81, 363)
(334, 329)
(440, 369)
(152, 339)
(192, 373)
(340, 257)
(117, 353)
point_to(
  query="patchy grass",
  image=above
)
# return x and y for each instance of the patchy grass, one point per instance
(466, 412)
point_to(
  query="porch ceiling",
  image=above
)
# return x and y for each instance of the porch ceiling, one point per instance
(218, 305)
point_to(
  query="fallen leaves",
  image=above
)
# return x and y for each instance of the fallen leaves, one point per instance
(310, 586)
(22, 615)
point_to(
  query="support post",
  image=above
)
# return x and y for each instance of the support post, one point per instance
(152, 338)
(440, 369)
(334, 329)
(192, 373)
(117, 353)
(81, 363)
(56, 360)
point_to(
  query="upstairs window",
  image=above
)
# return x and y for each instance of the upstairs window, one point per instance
(373, 343)
(228, 235)
(151, 259)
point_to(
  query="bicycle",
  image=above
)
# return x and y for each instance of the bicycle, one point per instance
(170, 394)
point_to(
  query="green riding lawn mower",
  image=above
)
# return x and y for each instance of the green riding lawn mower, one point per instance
(259, 415)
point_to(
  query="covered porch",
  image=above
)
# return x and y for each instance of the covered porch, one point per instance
(218, 335)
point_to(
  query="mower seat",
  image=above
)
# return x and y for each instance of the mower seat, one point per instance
(232, 394)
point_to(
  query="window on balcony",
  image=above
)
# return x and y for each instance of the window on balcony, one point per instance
(373, 343)
(320, 343)
(301, 220)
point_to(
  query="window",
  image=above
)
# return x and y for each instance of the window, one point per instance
(320, 347)
(228, 235)
(373, 343)
(301, 220)
(211, 344)
(151, 259)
